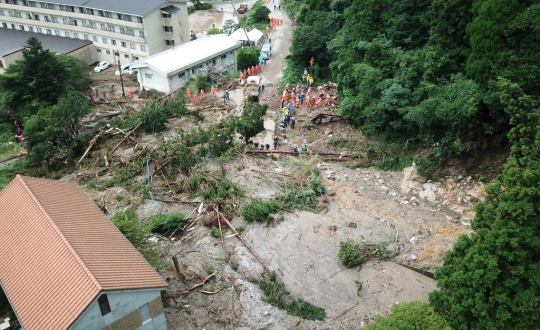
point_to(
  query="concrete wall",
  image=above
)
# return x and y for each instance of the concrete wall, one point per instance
(86, 53)
(10, 59)
(124, 313)
(174, 82)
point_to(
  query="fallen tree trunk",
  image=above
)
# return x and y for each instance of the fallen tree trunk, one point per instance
(125, 137)
(287, 152)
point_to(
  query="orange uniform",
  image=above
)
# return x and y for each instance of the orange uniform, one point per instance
(188, 93)
(196, 99)
(213, 91)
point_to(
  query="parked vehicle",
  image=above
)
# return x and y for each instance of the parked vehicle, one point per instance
(266, 51)
(101, 66)
(126, 69)
(243, 8)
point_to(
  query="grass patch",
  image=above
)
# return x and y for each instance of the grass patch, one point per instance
(209, 269)
(394, 163)
(259, 210)
(277, 295)
(163, 223)
(215, 232)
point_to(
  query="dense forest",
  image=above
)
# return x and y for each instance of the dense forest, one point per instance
(448, 77)
(421, 73)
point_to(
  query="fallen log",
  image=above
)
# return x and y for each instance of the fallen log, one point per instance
(125, 137)
(287, 152)
(220, 215)
(177, 294)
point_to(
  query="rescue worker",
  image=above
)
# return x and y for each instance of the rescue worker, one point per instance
(188, 93)
(297, 102)
(196, 99)
(328, 99)
(292, 122)
(318, 102)
(203, 94)
(213, 91)
(308, 102)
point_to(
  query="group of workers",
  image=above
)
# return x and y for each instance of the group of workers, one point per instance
(296, 97)
(202, 94)
(256, 69)
(307, 79)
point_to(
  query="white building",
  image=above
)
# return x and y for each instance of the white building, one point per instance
(133, 28)
(171, 69)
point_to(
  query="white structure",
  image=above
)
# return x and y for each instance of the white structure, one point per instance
(133, 28)
(171, 69)
(254, 36)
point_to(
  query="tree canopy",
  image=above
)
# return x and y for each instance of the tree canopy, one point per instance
(248, 57)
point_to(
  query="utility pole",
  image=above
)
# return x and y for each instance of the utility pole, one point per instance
(120, 70)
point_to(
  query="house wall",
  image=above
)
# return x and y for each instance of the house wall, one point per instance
(124, 313)
(10, 59)
(174, 81)
(154, 25)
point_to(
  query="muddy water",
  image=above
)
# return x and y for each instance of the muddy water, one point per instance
(218, 20)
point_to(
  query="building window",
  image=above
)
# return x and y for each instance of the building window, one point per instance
(75, 35)
(43, 5)
(100, 13)
(141, 34)
(108, 52)
(13, 26)
(65, 20)
(51, 6)
(57, 32)
(18, 14)
(104, 307)
(139, 19)
(25, 3)
(104, 27)
(89, 11)
(74, 22)
(29, 16)
(46, 18)
(63, 7)
(182, 75)
(1, 64)
(111, 28)
(123, 43)
(4, 25)
(36, 17)
(12, 2)
(10, 13)
(122, 30)
(98, 50)
(166, 15)
(84, 23)
(108, 14)
(49, 31)
(92, 25)
(135, 58)
(86, 37)
(55, 19)
(31, 29)
(123, 17)
(131, 32)
(1, 12)
(223, 57)
(68, 34)
(21, 27)
(145, 313)
(38, 30)
(32, 3)
(104, 40)
(126, 56)
(147, 75)
(81, 10)
(131, 45)
(169, 42)
(167, 28)
(94, 38)
(113, 42)
(143, 48)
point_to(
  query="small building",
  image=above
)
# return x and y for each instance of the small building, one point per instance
(173, 68)
(64, 265)
(12, 43)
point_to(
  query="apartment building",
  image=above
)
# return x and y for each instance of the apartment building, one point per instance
(135, 29)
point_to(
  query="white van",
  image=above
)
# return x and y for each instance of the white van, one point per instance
(126, 69)
(266, 51)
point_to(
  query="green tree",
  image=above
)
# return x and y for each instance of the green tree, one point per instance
(248, 57)
(251, 121)
(128, 224)
(491, 279)
(411, 316)
(36, 81)
(55, 131)
(260, 15)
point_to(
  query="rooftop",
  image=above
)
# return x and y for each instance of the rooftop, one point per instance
(188, 54)
(58, 251)
(12, 41)
(130, 7)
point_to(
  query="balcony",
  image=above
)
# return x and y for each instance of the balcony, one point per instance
(168, 35)
(166, 21)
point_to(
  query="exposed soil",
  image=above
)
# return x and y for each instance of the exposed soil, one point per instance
(416, 219)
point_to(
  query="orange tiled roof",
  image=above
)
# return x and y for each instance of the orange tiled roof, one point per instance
(58, 251)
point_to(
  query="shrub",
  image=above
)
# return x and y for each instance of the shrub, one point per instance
(248, 57)
(410, 315)
(259, 210)
(349, 254)
(214, 30)
(166, 222)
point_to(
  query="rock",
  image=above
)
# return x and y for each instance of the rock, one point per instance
(413, 240)
(352, 225)
(330, 192)
(450, 184)
(414, 257)
(448, 217)
(328, 132)
(450, 172)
